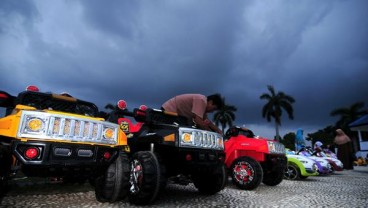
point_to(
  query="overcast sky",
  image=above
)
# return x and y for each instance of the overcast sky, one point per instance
(146, 52)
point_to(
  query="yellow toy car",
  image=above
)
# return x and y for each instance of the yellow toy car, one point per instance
(52, 135)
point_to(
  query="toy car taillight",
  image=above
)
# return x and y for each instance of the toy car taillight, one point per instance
(122, 104)
(32, 88)
(31, 153)
(3, 95)
(107, 155)
(143, 107)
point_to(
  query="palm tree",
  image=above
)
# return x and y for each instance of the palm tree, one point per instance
(276, 102)
(225, 116)
(110, 108)
(348, 115)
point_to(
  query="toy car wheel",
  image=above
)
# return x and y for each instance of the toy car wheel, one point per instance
(275, 177)
(246, 173)
(144, 178)
(5, 164)
(92, 182)
(332, 169)
(291, 172)
(114, 184)
(211, 183)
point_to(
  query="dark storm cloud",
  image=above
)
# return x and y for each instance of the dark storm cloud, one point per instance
(272, 34)
(309, 52)
(118, 17)
(24, 13)
(25, 9)
(332, 64)
(148, 51)
(181, 46)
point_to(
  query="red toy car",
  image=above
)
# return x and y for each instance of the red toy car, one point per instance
(251, 160)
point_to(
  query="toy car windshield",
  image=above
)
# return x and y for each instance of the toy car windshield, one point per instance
(56, 102)
(248, 133)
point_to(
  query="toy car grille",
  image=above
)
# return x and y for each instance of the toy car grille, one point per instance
(74, 128)
(42, 125)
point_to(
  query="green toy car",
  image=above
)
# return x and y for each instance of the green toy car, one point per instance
(299, 167)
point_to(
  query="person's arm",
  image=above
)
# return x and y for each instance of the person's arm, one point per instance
(206, 124)
(212, 126)
(200, 123)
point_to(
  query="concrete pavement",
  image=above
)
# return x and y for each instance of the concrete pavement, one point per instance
(348, 188)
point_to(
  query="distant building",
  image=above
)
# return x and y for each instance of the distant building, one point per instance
(361, 127)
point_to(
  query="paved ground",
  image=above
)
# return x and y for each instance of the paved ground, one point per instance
(348, 188)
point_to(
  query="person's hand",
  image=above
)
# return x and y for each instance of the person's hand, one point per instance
(212, 126)
(207, 122)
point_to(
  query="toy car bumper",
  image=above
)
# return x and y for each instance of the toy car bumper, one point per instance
(274, 162)
(202, 157)
(63, 154)
(187, 160)
(309, 172)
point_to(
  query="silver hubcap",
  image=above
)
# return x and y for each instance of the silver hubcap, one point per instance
(243, 172)
(290, 173)
(136, 176)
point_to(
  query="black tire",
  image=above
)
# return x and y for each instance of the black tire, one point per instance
(145, 178)
(92, 182)
(274, 178)
(5, 166)
(163, 176)
(332, 169)
(292, 172)
(114, 184)
(246, 173)
(210, 183)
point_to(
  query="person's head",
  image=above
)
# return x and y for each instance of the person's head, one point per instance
(214, 102)
(318, 144)
(340, 132)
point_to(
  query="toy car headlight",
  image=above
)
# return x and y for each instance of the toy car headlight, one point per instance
(220, 142)
(108, 133)
(187, 138)
(275, 147)
(35, 124)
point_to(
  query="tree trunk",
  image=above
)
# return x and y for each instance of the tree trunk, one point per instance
(277, 132)
(223, 125)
